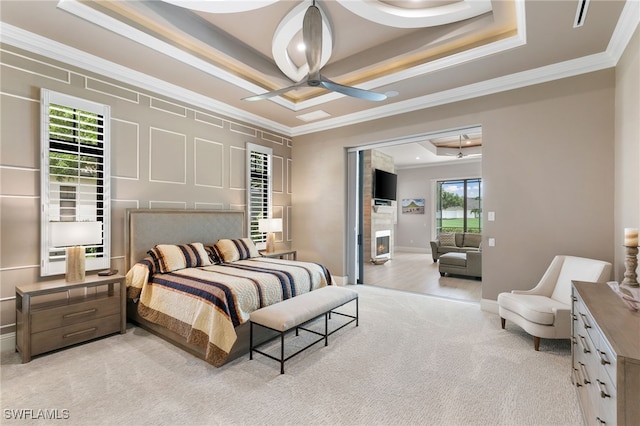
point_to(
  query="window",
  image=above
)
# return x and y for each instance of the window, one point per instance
(459, 206)
(74, 175)
(258, 189)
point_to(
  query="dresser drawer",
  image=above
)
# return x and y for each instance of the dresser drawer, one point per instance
(606, 358)
(76, 333)
(75, 313)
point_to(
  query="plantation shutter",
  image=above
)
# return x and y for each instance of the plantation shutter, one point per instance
(76, 185)
(259, 189)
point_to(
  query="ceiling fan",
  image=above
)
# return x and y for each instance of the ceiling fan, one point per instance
(312, 37)
(459, 152)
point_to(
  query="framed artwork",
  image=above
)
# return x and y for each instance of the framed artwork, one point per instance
(413, 205)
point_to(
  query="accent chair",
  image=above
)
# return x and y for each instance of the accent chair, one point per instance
(545, 310)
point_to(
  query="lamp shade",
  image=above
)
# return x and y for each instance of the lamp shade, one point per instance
(64, 234)
(270, 225)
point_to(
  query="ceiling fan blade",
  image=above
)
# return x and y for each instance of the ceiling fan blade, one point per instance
(312, 37)
(351, 91)
(275, 92)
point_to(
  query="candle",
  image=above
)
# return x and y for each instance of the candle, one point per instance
(631, 237)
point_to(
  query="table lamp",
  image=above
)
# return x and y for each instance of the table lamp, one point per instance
(270, 226)
(72, 236)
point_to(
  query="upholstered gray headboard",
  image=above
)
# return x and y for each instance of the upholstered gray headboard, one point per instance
(144, 228)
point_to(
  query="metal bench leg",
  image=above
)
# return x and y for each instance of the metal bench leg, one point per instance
(282, 352)
(326, 328)
(250, 340)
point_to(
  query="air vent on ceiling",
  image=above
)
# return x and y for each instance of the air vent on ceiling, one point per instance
(581, 13)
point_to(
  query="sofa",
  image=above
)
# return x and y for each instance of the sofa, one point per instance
(457, 242)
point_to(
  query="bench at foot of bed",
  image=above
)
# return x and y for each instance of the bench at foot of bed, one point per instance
(299, 310)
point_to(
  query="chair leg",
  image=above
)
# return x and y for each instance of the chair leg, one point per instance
(536, 343)
(503, 321)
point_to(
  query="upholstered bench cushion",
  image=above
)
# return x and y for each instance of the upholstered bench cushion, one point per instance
(535, 308)
(289, 313)
(454, 259)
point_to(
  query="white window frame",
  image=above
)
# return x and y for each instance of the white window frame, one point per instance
(87, 209)
(260, 208)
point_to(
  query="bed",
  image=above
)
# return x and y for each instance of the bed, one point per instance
(200, 299)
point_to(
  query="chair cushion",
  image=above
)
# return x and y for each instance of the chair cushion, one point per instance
(578, 269)
(534, 308)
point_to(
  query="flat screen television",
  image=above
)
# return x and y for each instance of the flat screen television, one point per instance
(384, 185)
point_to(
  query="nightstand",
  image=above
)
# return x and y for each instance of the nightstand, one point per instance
(281, 254)
(55, 314)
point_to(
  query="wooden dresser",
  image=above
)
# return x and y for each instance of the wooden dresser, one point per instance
(605, 356)
(54, 314)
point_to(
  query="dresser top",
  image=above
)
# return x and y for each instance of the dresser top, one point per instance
(620, 325)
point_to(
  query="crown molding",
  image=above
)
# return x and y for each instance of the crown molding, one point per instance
(48, 48)
(629, 20)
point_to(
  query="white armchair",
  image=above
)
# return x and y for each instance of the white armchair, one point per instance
(545, 311)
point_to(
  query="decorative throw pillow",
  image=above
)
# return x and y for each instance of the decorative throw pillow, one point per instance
(238, 249)
(447, 239)
(171, 257)
(214, 256)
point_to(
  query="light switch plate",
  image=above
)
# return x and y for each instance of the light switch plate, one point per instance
(492, 242)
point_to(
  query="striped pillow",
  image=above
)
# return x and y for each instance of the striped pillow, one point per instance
(171, 257)
(239, 249)
(214, 256)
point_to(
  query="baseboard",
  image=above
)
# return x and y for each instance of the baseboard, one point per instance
(8, 342)
(489, 305)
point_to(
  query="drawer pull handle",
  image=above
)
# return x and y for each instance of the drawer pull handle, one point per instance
(77, 314)
(603, 358)
(603, 390)
(76, 333)
(576, 379)
(600, 421)
(584, 321)
(585, 347)
(583, 370)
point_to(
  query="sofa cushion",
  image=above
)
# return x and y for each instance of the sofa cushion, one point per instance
(447, 239)
(454, 259)
(472, 240)
(535, 308)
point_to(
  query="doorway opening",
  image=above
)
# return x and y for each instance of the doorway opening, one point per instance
(443, 157)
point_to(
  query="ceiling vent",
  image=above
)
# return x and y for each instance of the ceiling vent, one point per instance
(581, 13)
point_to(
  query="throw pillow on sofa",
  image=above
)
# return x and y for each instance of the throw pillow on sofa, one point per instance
(447, 239)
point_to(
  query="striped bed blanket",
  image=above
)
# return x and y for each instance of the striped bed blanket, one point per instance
(205, 304)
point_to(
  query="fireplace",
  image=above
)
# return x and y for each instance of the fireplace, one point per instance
(382, 244)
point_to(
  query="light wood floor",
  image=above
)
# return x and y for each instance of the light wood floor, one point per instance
(416, 272)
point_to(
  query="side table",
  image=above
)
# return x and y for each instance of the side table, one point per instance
(281, 254)
(55, 314)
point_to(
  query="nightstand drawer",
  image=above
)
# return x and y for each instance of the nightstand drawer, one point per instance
(60, 337)
(65, 315)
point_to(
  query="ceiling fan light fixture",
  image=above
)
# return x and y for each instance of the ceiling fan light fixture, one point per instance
(312, 34)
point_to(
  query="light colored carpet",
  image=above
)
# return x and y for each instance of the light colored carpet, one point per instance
(414, 359)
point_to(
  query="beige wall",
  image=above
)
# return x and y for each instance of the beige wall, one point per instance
(164, 155)
(415, 231)
(547, 169)
(627, 138)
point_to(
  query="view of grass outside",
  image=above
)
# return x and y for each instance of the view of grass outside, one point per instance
(457, 225)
